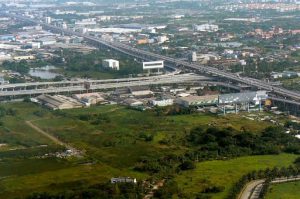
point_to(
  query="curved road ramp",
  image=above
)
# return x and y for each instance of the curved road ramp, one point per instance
(253, 188)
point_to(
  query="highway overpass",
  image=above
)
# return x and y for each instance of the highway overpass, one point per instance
(25, 90)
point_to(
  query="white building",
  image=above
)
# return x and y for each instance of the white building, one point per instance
(243, 62)
(89, 98)
(123, 180)
(162, 102)
(35, 45)
(25, 57)
(86, 22)
(203, 58)
(48, 20)
(4, 56)
(64, 25)
(206, 28)
(111, 63)
(162, 39)
(47, 41)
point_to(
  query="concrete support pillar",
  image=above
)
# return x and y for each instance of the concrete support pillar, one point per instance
(260, 105)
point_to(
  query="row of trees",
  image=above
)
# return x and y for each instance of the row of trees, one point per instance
(214, 142)
(21, 67)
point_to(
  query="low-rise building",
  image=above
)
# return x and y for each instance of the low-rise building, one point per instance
(133, 102)
(246, 97)
(197, 100)
(47, 41)
(59, 102)
(25, 57)
(140, 91)
(89, 98)
(285, 74)
(111, 63)
(162, 39)
(206, 28)
(162, 102)
(123, 180)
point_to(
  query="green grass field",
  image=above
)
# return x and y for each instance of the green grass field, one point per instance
(226, 173)
(290, 190)
(112, 148)
(54, 179)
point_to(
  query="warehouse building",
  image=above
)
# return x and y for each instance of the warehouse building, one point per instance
(141, 91)
(197, 100)
(59, 102)
(89, 98)
(240, 98)
(133, 102)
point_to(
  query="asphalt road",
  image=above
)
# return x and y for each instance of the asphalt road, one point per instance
(253, 188)
(247, 191)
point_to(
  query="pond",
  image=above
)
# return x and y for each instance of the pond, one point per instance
(45, 72)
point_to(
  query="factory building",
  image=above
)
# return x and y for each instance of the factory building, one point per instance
(247, 101)
(89, 98)
(59, 102)
(232, 102)
(111, 63)
(47, 41)
(197, 100)
(247, 97)
(133, 102)
(140, 91)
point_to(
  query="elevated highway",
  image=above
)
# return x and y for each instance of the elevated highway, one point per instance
(107, 84)
(82, 82)
(142, 54)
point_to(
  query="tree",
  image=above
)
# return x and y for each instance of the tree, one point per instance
(187, 165)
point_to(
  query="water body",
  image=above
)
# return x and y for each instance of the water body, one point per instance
(44, 72)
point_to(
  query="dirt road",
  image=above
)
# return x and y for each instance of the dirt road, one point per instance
(49, 136)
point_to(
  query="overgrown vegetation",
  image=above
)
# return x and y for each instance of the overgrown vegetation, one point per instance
(122, 142)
